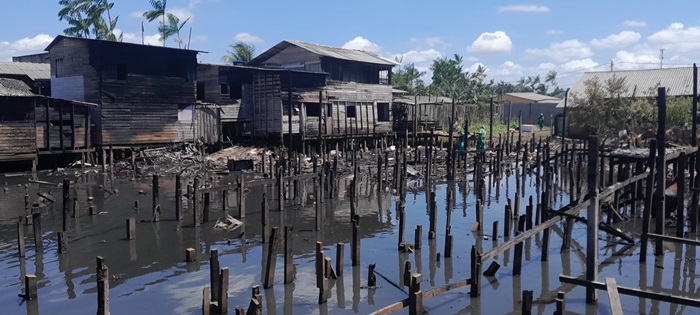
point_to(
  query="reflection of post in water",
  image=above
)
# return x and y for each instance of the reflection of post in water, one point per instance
(270, 301)
(448, 269)
(690, 262)
(657, 282)
(517, 287)
(355, 288)
(288, 298)
(432, 260)
(545, 284)
(675, 286)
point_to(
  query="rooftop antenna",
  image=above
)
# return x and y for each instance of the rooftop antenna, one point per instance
(662, 57)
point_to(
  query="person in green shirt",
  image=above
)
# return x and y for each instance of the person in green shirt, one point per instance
(481, 140)
(540, 121)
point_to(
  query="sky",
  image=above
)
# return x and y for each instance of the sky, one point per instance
(511, 39)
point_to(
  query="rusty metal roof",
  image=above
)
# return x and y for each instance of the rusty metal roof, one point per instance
(35, 71)
(12, 87)
(535, 98)
(325, 51)
(641, 83)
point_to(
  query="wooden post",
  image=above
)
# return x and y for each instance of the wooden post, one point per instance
(222, 301)
(156, 198)
(526, 303)
(206, 300)
(448, 245)
(62, 242)
(30, 287)
(205, 207)
(190, 255)
(508, 216)
(475, 289)
(355, 250)
(648, 202)
(402, 223)
(66, 203)
(102, 287)
(592, 220)
(280, 191)
(561, 303)
(214, 274)
(415, 296)
(271, 260)
(517, 259)
(317, 194)
(319, 264)
(288, 255)
(614, 296)
(265, 219)
(494, 233)
(339, 259)
(20, 239)
(241, 196)
(680, 209)
(131, 228)
(195, 197)
(418, 238)
(178, 197)
(38, 236)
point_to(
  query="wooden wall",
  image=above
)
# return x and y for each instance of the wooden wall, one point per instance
(17, 131)
(208, 123)
(50, 135)
(74, 78)
(265, 116)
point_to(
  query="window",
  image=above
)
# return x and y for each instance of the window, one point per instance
(383, 112)
(313, 110)
(351, 110)
(59, 71)
(121, 71)
(200, 91)
(224, 89)
(184, 112)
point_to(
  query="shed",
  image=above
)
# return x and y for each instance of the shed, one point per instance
(530, 105)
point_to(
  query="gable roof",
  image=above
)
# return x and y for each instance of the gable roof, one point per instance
(35, 71)
(535, 97)
(12, 87)
(677, 81)
(325, 51)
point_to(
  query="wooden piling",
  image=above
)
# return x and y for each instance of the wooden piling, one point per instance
(30, 287)
(680, 193)
(241, 196)
(288, 255)
(178, 197)
(592, 220)
(271, 260)
(415, 296)
(508, 216)
(190, 255)
(62, 242)
(526, 308)
(475, 289)
(339, 259)
(195, 214)
(66, 203)
(355, 250)
(156, 199)
(131, 228)
(206, 300)
(265, 219)
(648, 202)
(517, 259)
(418, 237)
(102, 287)
(402, 224)
(214, 274)
(20, 239)
(205, 207)
(38, 236)
(319, 264)
(222, 301)
(448, 245)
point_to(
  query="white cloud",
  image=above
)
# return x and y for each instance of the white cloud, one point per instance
(632, 23)
(136, 14)
(620, 40)
(418, 57)
(147, 39)
(182, 14)
(562, 51)
(24, 46)
(547, 66)
(193, 3)
(475, 66)
(429, 42)
(507, 71)
(361, 43)
(554, 32)
(626, 60)
(577, 65)
(489, 43)
(524, 8)
(248, 38)
(677, 38)
(471, 59)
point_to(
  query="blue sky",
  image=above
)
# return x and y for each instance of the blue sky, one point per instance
(511, 39)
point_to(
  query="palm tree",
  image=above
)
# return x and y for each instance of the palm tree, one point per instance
(239, 51)
(172, 28)
(158, 11)
(85, 17)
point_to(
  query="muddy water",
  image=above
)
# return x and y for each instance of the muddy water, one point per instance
(150, 275)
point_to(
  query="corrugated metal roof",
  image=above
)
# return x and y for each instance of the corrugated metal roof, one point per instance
(411, 99)
(326, 51)
(677, 81)
(12, 87)
(35, 71)
(534, 97)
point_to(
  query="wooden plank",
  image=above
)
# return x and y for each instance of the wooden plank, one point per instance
(664, 297)
(612, 189)
(614, 296)
(674, 239)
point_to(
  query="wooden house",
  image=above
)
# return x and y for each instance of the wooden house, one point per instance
(354, 100)
(35, 75)
(34, 125)
(218, 91)
(146, 93)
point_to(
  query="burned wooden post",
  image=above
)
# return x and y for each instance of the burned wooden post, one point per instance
(415, 296)
(319, 264)
(339, 258)
(680, 193)
(66, 203)
(131, 228)
(241, 196)
(561, 303)
(190, 255)
(526, 306)
(265, 219)
(102, 287)
(317, 194)
(280, 191)
(418, 237)
(517, 259)
(214, 274)
(355, 250)
(30, 287)
(195, 197)
(448, 244)
(38, 236)
(659, 194)
(288, 255)
(222, 301)
(508, 216)
(648, 202)
(475, 282)
(402, 223)
(592, 220)
(178, 197)
(206, 300)
(20, 239)
(156, 198)
(492, 269)
(205, 207)
(270, 260)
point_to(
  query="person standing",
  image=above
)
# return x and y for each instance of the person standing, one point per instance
(540, 121)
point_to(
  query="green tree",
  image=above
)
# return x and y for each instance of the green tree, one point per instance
(158, 11)
(407, 78)
(173, 28)
(239, 51)
(87, 18)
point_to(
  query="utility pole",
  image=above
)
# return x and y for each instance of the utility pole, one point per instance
(611, 65)
(662, 57)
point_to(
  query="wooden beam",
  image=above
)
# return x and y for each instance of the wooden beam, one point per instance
(614, 296)
(673, 239)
